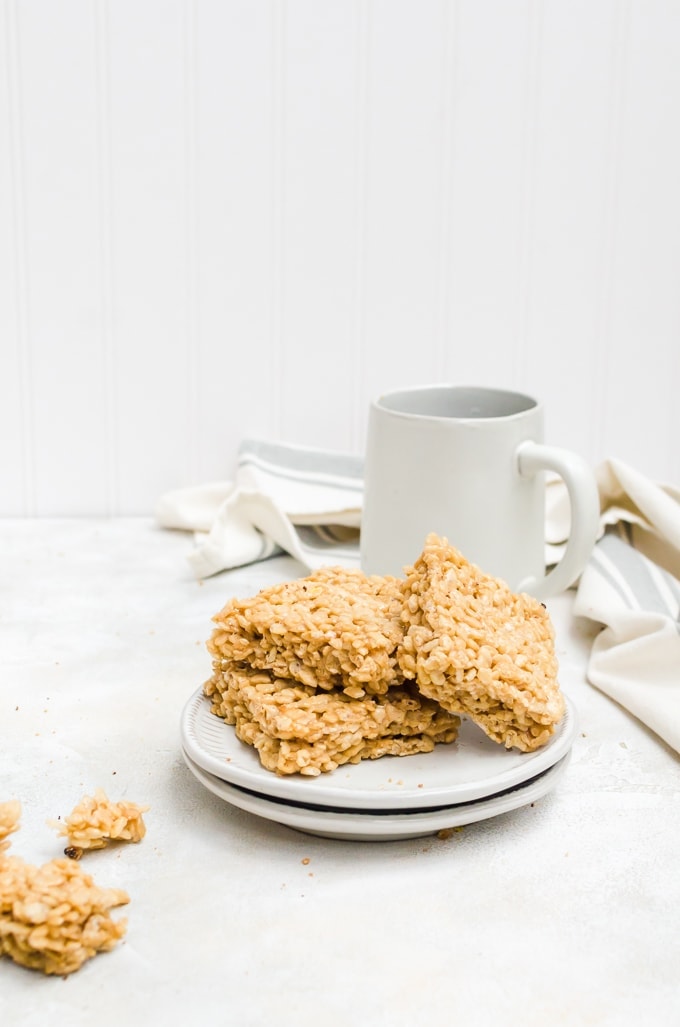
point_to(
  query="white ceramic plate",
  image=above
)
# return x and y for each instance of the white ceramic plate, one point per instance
(349, 825)
(472, 768)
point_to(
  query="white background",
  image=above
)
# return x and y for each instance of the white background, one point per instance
(229, 218)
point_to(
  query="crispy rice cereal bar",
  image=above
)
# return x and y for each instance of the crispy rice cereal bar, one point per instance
(336, 628)
(54, 917)
(96, 821)
(479, 649)
(297, 729)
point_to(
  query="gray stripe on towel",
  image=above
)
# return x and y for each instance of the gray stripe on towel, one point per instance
(306, 461)
(674, 586)
(633, 569)
(311, 540)
(597, 560)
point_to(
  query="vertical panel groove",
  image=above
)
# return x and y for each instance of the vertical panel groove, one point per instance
(446, 287)
(278, 196)
(610, 218)
(361, 134)
(20, 256)
(191, 236)
(106, 257)
(528, 188)
(481, 168)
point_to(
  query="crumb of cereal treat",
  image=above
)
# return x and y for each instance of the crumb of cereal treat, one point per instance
(479, 649)
(336, 628)
(10, 814)
(54, 917)
(297, 730)
(96, 821)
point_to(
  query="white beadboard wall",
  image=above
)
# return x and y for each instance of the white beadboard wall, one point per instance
(229, 218)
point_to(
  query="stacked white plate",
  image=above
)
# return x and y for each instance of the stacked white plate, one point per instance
(376, 800)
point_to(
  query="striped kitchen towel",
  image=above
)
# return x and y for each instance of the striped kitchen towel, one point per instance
(293, 499)
(631, 586)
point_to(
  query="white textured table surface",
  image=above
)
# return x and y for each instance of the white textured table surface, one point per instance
(566, 912)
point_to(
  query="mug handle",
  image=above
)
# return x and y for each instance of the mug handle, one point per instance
(585, 513)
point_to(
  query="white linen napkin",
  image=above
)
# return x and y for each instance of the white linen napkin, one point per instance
(303, 501)
(308, 503)
(631, 587)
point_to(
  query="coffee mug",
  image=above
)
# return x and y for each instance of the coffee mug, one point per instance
(467, 463)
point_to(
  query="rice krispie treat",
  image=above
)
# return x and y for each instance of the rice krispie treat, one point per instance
(96, 821)
(479, 649)
(297, 729)
(54, 917)
(336, 628)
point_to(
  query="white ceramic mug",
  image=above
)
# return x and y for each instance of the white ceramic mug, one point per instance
(467, 463)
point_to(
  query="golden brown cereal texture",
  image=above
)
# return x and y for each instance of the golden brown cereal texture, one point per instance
(338, 667)
(479, 649)
(54, 917)
(297, 729)
(10, 814)
(336, 628)
(96, 821)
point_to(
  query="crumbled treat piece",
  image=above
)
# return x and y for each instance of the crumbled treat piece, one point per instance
(96, 821)
(298, 730)
(336, 628)
(479, 649)
(54, 917)
(10, 813)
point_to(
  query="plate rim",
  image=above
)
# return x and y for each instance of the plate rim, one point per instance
(365, 826)
(321, 790)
